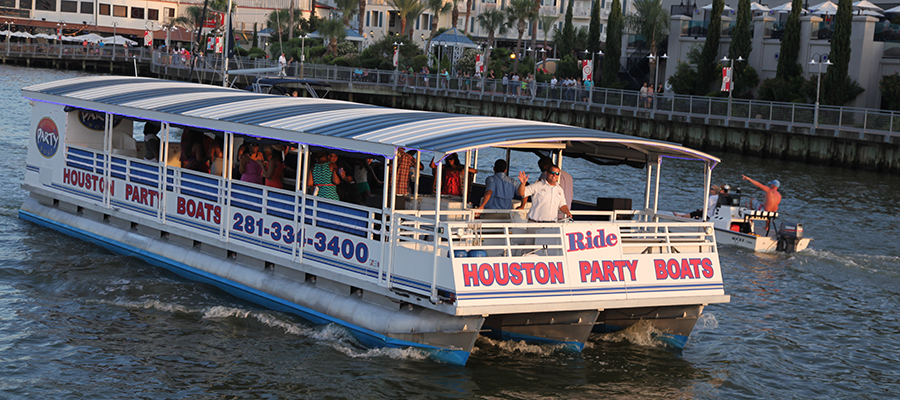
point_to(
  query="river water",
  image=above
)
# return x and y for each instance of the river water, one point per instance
(77, 321)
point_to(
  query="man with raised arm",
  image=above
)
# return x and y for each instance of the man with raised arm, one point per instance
(547, 197)
(773, 198)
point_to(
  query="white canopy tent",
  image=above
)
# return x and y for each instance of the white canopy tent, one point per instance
(784, 9)
(709, 6)
(892, 10)
(826, 8)
(118, 40)
(759, 7)
(90, 37)
(866, 5)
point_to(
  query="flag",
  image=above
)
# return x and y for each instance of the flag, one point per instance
(229, 40)
(726, 79)
(148, 38)
(586, 72)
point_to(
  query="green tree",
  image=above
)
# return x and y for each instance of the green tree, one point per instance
(519, 12)
(684, 80)
(281, 23)
(593, 42)
(437, 7)
(454, 13)
(405, 10)
(741, 46)
(651, 21)
(890, 91)
(333, 30)
(348, 9)
(706, 68)
(790, 45)
(535, 17)
(547, 21)
(833, 84)
(255, 36)
(494, 22)
(565, 40)
(615, 24)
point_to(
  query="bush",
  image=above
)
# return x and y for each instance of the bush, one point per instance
(890, 91)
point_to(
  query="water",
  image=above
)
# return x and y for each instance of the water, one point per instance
(79, 322)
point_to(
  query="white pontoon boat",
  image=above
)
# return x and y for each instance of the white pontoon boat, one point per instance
(398, 271)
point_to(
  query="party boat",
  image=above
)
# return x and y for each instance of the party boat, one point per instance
(408, 271)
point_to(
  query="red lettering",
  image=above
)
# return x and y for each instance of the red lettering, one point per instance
(597, 272)
(181, 208)
(470, 273)
(541, 273)
(686, 269)
(708, 271)
(501, 273)
(556, 273)
(486, 274)
(515, 273)
(674, 269)
(585, 268)
(660, 267)
(609, 270)
(529, 272)
(632, 269)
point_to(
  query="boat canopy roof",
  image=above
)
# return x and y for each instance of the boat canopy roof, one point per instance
(339, 124)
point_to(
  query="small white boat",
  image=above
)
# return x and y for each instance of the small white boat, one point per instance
(737, 225)
(416, 271)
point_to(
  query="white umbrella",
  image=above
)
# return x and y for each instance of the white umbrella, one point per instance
(759, 7)
(22, 34)
(708, 7)
(871, 13)
(784, 8)
(866, 5)
(44, 36)
(90, 37)
(4, 33)
(118, 40)
(892, 10)
(824, 8)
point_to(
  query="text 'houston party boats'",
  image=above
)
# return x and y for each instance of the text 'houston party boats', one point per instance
(399, 271)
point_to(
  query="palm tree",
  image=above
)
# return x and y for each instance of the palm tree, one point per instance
(362, 14)
(404, 9)
(547, 21)
(413, 14)
(333, 30)
(493, 21)
(192, 20)
(348, 9)
(468, 14)
(519, 12)
(454, 14)
(535, 16)
(280, 22)
(649, 20)
(437, 7)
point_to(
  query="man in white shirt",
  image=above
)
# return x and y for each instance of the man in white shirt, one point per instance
(547, 197)
(553, 83)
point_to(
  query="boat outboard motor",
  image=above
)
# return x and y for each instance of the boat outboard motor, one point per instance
(789, 234)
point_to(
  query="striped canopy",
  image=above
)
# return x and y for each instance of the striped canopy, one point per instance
(338, 124)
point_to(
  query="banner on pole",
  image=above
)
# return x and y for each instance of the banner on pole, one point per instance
(396, 57)
(586, 72)
(479, 64)
(148, 38)
(726, 79)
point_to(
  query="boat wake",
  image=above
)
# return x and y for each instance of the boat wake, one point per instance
(515, 347)
(641, 334)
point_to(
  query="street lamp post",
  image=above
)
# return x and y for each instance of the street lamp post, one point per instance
(731, 84)
(302, 53)
(655, 61)
(819, 82)
(60, 26)
(114, 24)
(8, 34)
(397, 46)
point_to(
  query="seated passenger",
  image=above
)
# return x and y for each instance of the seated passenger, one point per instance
(323, 176)
(151, 141)
(274, 169)
(193, 156)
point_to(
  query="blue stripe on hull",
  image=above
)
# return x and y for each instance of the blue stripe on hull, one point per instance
(365, 336)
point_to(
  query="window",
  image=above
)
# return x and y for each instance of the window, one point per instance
(152, 14)
(601, 28)
(120, 11)
(67, 6)
(169, 12)
(8, 3)
(45, 5)
(381, 20)
(137, 13)
(417, 22)
(368, 17)
(602, 4)
(87, 8)
(25, 4)
(104, 9)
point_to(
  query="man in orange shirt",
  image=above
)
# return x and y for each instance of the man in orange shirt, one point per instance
(773, 198)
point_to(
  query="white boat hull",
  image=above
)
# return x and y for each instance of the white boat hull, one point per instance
(762, 244)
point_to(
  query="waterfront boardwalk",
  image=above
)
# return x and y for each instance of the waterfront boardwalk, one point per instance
(840, 136)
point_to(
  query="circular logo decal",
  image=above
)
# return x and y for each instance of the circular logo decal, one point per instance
(47, 137)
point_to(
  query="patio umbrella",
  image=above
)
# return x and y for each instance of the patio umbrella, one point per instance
(784, 9)
(45, 36)
(708, 7)
(90, 37)
(892, 10)
(866, 5)
(824, 8)
(759, 7)
(118, 40)
(22, 35)
(871, 13)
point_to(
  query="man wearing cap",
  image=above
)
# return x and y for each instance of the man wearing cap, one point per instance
(724, 196)
(711, 204)
(773, 198)
(499, 189)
